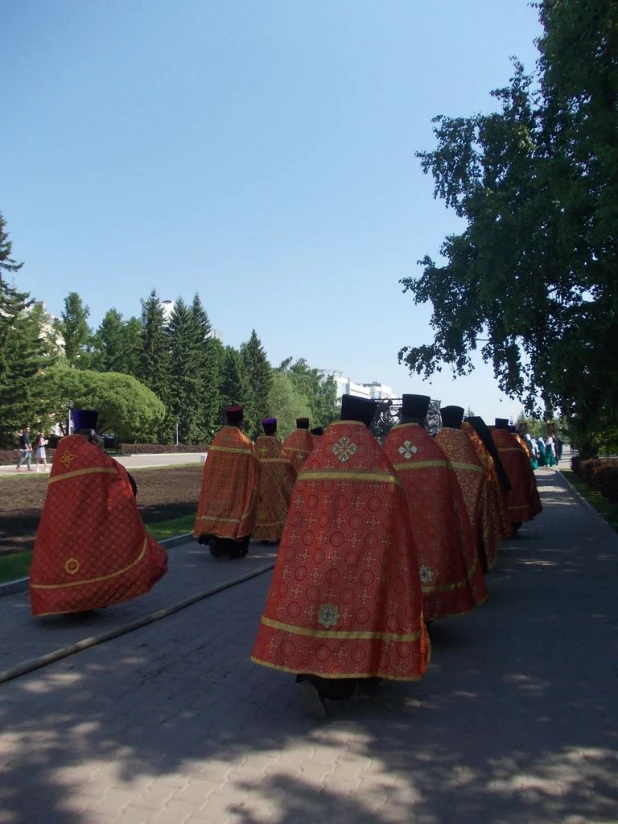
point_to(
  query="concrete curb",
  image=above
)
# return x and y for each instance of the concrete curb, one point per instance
(20, 584)
(86, 643)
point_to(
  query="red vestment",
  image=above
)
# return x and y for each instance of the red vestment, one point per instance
(523, 501)
(276, 485)
(91, 547)
(227, 507)
(451, 576)
(496, 499)
(345, 599)
(458, 448)
(297, 447)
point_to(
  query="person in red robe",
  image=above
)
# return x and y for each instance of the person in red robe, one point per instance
(497, 479)
(276, 485)
(523, 501)
(460, 451)
(91, 548)
(316, 434)
(227, 507)
(451, 576)
(345, 603)
(298, 444)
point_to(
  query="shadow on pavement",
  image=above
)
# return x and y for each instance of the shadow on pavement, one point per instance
(515, 721)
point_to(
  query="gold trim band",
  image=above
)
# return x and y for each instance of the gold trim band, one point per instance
(471, 467)
(100, 578)
(93, 470)
(421, 465)
(346, 475)
(341, 635)
(236, 449)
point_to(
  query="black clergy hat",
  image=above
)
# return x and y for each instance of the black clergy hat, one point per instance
(269, 425)
(84, 419)
(302, 423)
(234, 415)
(358, 409)
(502, 423)
(415, 406)
(319, 431)
(452, 416)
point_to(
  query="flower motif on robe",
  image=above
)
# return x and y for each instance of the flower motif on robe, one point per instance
(328, 615)
(344, 449)
(407, 449)
(425, 574)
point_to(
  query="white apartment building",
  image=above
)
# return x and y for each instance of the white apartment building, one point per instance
(347, 386)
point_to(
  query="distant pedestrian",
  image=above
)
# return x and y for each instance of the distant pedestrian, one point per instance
(25, 449)
(39, 451)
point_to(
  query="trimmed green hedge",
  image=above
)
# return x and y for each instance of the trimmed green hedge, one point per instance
(601, 474)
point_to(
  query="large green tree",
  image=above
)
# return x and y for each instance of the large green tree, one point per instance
(155, 368)
(260, 375)
(26, 351)
(126, 407)
(235, 387)
(286, 403)
(186, 386)
(75, 331)
(320, 391)
(208, 371)
(531, 278)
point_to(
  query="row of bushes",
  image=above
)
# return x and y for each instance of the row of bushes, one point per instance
(599, 473)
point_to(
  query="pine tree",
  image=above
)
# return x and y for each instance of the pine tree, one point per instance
(109, 344)
(235, 387)
(25, 352)
(155, 363)
(186, 395)
(134, 347)
(260, 375)
(208, 370)
(75, 331)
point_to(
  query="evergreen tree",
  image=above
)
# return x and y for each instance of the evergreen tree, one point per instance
(75, 331)
(286, 403)
(260, 375)
(186, 389)
(155, 363)
(109, 344)
(235, 387)
(134, 347)
(208, 371)
(26, 353)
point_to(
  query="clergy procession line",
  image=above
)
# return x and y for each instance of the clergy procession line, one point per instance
(376, 540)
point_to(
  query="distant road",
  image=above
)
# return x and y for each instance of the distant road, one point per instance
(136, 461)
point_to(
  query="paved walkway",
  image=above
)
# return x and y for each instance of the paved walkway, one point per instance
(130, 461)
(516, 721)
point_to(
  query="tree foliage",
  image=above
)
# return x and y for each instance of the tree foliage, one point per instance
(126, 407)
(235, 387)
(260, 375)
(286, 403)
(319, 391)
(532, 276)
(155, 366)
(75, 331)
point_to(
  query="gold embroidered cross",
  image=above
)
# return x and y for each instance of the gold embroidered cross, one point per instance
(344, 449)
(67, 458)
(407, 449)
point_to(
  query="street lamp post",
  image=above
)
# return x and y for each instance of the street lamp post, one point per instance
(69, 407)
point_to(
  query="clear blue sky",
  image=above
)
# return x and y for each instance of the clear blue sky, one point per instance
(260, 153)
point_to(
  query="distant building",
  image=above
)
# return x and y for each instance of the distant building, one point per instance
(347, 386)
(168, 308)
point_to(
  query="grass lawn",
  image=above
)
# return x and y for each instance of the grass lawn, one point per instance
(606, 508)
(17, 564)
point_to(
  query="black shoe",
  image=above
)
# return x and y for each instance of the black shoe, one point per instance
(313, 701)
